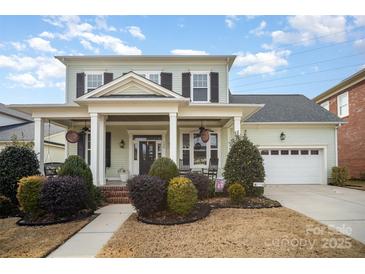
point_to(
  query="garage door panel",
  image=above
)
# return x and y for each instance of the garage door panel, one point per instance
(294, 169)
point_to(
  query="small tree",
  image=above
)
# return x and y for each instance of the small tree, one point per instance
(244, 164)
(16, 162)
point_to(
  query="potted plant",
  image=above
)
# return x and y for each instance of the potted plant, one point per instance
(123, 173)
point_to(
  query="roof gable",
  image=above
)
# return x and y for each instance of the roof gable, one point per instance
(129, 85)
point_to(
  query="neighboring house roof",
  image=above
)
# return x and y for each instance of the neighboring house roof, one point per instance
(289, 108)
(344, 84)
(15, 113)
(228, 58)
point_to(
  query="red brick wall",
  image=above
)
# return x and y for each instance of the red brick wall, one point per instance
(351, 136)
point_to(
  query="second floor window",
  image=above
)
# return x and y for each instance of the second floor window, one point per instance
(343, 104)
(93, 81)
(200, 87)
(153, 76)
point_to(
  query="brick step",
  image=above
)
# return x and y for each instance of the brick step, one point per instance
(118, 200)
(115, 193)
(113, 188)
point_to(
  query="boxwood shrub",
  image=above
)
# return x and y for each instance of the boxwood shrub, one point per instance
(164, 168)
(16, 162)
(202, 184)
(76, 166)
(148, 194)
(182, 195)
(64, 195)
(236, 192)
(28, 195)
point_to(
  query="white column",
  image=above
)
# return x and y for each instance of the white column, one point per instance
(237, 125)
(173, 136)
(94, 138)
(102, 125)
(39, 142)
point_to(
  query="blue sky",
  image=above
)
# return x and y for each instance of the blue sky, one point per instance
(276, 54)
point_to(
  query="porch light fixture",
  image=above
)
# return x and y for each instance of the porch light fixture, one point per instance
(282, 136)
(121, 144)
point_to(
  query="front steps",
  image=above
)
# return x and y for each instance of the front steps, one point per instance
(115, 194)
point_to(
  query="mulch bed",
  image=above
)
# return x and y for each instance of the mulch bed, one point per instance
(201, 211)
(248, 202)
(51, 220)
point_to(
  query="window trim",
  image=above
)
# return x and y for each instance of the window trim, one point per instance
(192, 86)
(92, 73)
(147, 73)
(345, 94)
(326, 105)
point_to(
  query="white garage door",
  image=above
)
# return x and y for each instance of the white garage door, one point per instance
(293, 166)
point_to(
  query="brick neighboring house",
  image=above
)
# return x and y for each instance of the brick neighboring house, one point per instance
(347, 100)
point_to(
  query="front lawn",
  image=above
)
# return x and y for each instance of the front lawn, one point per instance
(273, 232)
(35, 241)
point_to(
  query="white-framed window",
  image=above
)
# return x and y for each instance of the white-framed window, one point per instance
(93, 80)
(200, 89)
(195, 153)
(343, 104)
(154, 76)
(326, 105)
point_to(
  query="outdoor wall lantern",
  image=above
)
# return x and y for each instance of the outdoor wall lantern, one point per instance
(121, 144)
(282, 136)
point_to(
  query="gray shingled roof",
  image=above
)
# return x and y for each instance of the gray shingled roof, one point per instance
(285, 108)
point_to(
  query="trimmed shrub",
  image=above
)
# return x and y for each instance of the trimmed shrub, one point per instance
(362, 176)
(64, 196)
(201, 182)
(16, 162)
(6, 206)
(28, 195)
(76, 166)
(236, 192)
(148, 194)
(244, 164)
(182, 195)
(339, 176)
(164, 168)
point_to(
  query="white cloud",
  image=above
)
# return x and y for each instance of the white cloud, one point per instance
(188, 52)
(359, 20)
(231, 21)
(26, 80)
(18, 46)
(259, 31)
(87, 45)
(360, 44)
(261, 62)
(100, 23)
(308, 28)
(40, 44)
(136, 32)
(46, 34)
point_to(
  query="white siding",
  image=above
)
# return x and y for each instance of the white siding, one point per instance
(6, 120)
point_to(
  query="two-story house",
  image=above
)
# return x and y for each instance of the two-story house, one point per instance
(347, 100)
(134, 109)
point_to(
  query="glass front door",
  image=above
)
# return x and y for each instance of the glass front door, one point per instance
(147, 154)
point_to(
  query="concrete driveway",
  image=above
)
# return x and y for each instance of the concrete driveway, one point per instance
(341, 208)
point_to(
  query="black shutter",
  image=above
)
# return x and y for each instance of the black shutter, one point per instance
(108, 139)
(186, 84)
(81, 146)
(166, 80)
(108, 77)
(80, 84)
(214, 87)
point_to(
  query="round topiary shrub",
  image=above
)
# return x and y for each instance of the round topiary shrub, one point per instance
(76, 166)
(148, 194)
(236, 193)
(244, 164)
(29, 189)
(64, 196)
(164, 168)
(202, 184)
(16, 162)
(182, 195)
(6, 207)
(340, 176)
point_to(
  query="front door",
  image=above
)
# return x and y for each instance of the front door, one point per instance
(147, 154)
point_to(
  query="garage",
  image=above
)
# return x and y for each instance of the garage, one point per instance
(293, 165)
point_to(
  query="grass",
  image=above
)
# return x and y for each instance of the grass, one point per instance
(356, 184)
(34, 242)
(274, 232)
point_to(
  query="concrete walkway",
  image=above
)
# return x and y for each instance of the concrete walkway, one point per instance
(338, 207)
(89, 240)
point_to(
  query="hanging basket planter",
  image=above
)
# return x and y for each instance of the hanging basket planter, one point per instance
(72, 136)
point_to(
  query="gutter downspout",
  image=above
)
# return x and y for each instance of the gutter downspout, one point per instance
(336, 145)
